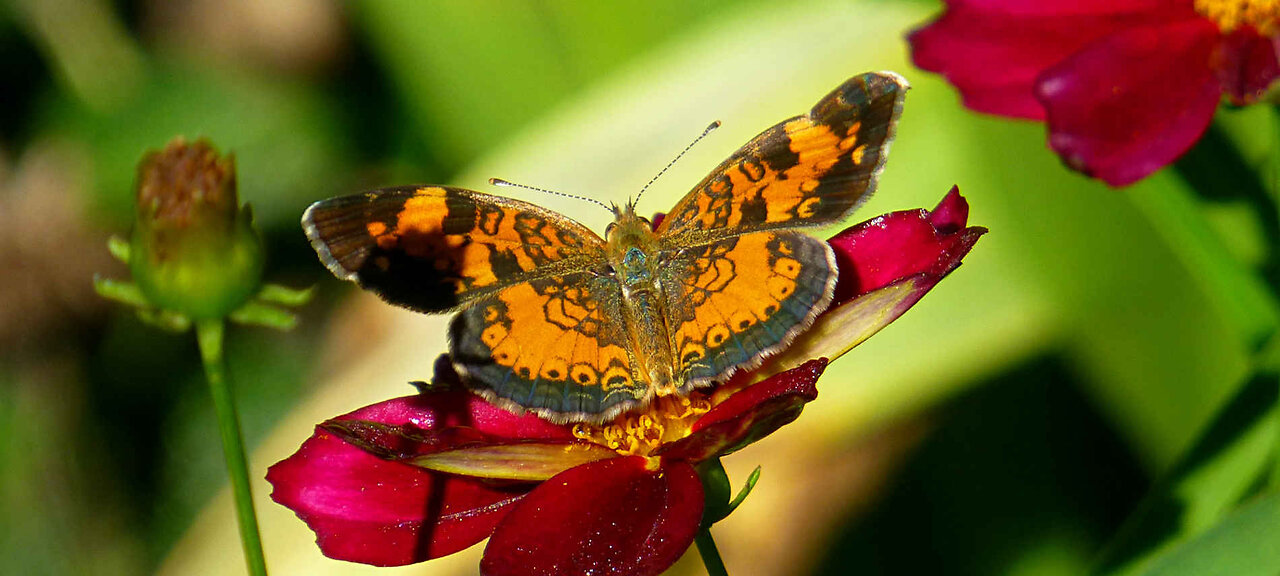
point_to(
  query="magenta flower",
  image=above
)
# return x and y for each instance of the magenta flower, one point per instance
(425, 476)
(1126, 86)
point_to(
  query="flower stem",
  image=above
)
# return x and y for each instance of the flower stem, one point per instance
(209, 334)
(710, 554)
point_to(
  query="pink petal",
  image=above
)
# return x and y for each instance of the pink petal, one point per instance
(456, 407)
(1132, 103)
(1246, 65)
(951, 214)
(894, 246)
(1070, 7)
(749, 414)
(466, 451)
(368, 510)
(613, 517)
(993, 50)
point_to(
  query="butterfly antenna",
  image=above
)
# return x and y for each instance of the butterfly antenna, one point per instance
(713, 126)
(501, 182)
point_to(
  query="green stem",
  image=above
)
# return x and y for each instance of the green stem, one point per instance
(209, 333)
(710, 554)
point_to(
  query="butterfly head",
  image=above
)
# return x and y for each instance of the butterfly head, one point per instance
(631, 245)
(627, 222)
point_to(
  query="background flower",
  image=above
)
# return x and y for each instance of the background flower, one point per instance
(1126, 87)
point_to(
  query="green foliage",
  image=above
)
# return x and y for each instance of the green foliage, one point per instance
(1096, 343)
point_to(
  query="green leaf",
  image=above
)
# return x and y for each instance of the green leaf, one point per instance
(284, 295)
(745, 491)
(119, 248)
(1243, 544)
(255, 313)
(484, 69)
(1226, 462)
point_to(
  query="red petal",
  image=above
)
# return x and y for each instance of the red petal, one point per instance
(1133, 102)
(368, 510)
(1246, 65)
(894, 246)
(466, 451)
(993, 50)
(609, 517)
(749, 414)
(456, 407)
(951, 214)
(365, 509)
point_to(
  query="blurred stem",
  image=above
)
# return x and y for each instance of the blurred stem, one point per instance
(1270, 357)
(209, 333)
(1273, 183)
(1272, 268)
(710, 554)
(1270, 364)
(1214, 170)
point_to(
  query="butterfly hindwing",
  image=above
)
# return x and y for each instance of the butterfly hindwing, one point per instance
(810, 170)
(434, 248)
(738, 300)
(554, 345)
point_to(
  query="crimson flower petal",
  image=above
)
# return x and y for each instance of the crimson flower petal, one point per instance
(368, 510)
(465, 451)
(1133, 102)
(993, 50)
(448, 404)
(1246, 64)
(891, 247)
(365, 509)
(748, 415)
(613, 516)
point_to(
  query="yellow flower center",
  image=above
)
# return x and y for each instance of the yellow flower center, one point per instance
(667, 419)
(1262, 15)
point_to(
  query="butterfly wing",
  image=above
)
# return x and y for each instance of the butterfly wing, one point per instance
(809, 170)
(556, 346)
(539, 326)
(434, 249)
(742, 286)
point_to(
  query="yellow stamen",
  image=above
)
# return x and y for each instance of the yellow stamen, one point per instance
(1262, 15)
(667, 419)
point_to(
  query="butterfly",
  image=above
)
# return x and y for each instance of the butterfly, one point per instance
(555, 319)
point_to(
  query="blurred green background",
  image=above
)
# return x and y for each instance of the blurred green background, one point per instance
(1007, 425)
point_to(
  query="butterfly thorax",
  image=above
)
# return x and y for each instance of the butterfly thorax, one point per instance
(632, 252)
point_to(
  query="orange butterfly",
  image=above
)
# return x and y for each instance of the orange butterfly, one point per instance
(554, 319)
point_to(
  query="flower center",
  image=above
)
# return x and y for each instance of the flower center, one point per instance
(667, 419)
(1262, 15)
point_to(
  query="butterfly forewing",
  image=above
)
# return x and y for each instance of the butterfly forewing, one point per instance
(810, 170)
(433, 248)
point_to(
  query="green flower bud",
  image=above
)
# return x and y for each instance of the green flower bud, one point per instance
(194, 249)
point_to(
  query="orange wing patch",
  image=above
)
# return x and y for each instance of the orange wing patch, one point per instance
(741, 299)
(555, 346)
